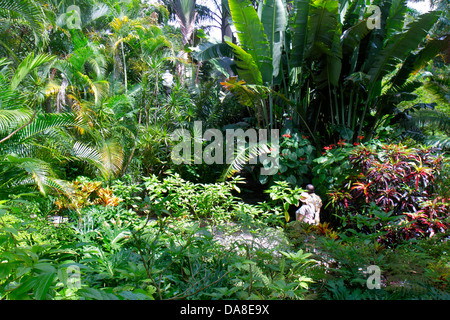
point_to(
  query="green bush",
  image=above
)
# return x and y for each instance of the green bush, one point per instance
(397, 179)
(186, 199)
(296, 156)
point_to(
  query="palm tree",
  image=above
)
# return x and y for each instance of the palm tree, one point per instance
(22, 130)
(33, 142)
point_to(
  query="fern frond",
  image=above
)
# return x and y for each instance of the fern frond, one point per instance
(256, 272)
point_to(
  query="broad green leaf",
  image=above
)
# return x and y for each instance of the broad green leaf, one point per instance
(210, 50)
(300, 31)
(274, 20)
(252, 39)
(322, 28)
(399, 47)
(44, 281)
(396, 19)
(352, 37)
(27, 284)
(247, 67)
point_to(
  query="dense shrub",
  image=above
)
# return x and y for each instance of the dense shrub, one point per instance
(295, 161)
(382, 181)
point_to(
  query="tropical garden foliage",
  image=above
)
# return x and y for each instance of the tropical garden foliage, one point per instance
(93, 207)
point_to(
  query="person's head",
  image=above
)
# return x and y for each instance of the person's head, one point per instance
(305, 197)
(310, 188)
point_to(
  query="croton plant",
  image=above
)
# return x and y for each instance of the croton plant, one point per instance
(392, 178)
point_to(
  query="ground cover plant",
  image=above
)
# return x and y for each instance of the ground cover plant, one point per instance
(94, 207)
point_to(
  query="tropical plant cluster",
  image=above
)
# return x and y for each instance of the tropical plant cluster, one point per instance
(93, 207)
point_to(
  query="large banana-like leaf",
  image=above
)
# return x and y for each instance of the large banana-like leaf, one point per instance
(299, 29)
(323, 38)
(417, 61)
(210, 50)
(396, 19)
(252, 39)
(316, 35)
(274, 20)
(247, 67)
(322, 26)
(399, 46)
(352, 37)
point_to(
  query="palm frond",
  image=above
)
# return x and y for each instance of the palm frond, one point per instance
(112, 158)
(186, 13)
(17, 171)
(45, 124)
(431, 118)
(86, 153)
(27, 65)
(25, 12)
(417, 61)
(242, 156)
(10, 119)
(440, 142)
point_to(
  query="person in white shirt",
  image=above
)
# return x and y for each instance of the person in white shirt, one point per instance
(309, 212)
